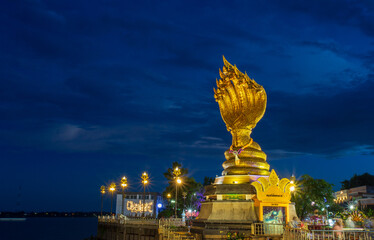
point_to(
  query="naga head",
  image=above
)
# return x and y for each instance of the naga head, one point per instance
(242, 101)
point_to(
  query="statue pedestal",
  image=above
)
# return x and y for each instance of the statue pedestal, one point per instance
(228, 208)
(228, 202)
(235, 202)
(214, 230)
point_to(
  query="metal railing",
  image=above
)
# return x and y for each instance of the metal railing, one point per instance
(177, 222)
(169, 228)
(107, 219)
(173, 229)
(345, 234)
(266, 229)
(126, 220)
(169, 233)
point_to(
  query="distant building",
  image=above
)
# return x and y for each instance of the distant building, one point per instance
(341, 196)
(364, 195)
(134, 207)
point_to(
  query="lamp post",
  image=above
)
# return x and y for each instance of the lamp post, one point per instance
(293, 179)
(168, 197)
(293, 184)
(145, 178)
(102, 190)
(123, 185)
(112, 188)
(184, 200)
(179, 181)
(176, 174)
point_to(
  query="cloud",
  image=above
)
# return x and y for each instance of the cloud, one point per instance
(68, 132)
(345, 13)
(119, 85)
(319, 124)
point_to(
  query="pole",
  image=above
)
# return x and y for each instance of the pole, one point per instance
(184, 201)
(176, 199)
(123, 201)
(111, 205)
(144, 202)
(101, 212)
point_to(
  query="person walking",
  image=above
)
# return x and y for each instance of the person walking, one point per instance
(338, 227)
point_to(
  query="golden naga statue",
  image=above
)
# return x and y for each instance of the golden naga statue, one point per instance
(242, 103)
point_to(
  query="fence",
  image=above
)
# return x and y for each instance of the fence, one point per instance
(265, 229)
(177, 222)
(345, 234)
(173, 229)
(126, 220)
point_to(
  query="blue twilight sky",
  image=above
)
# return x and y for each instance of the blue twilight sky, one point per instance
(93, 90)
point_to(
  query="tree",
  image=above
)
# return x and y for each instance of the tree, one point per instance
(312, 194)
(336, 208)
(358, 181)
(208, 181)
(189, 186)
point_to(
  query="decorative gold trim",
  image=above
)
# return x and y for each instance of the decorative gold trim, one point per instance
(271, 190)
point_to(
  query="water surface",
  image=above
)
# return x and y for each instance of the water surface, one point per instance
(49, 229)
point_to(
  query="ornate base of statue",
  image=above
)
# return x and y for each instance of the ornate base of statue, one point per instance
(238, 198)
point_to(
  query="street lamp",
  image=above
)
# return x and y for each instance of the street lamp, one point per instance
(292, 184)
(184, 200)
(112, 188)
(176, 173)
(102, 190)
(145, 178)
(179, 181)
(293, 179)
(168, 197)
(123, 185)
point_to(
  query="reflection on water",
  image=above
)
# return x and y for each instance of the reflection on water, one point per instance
(48, 229)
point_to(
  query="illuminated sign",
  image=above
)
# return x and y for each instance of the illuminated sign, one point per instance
(139, 207)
